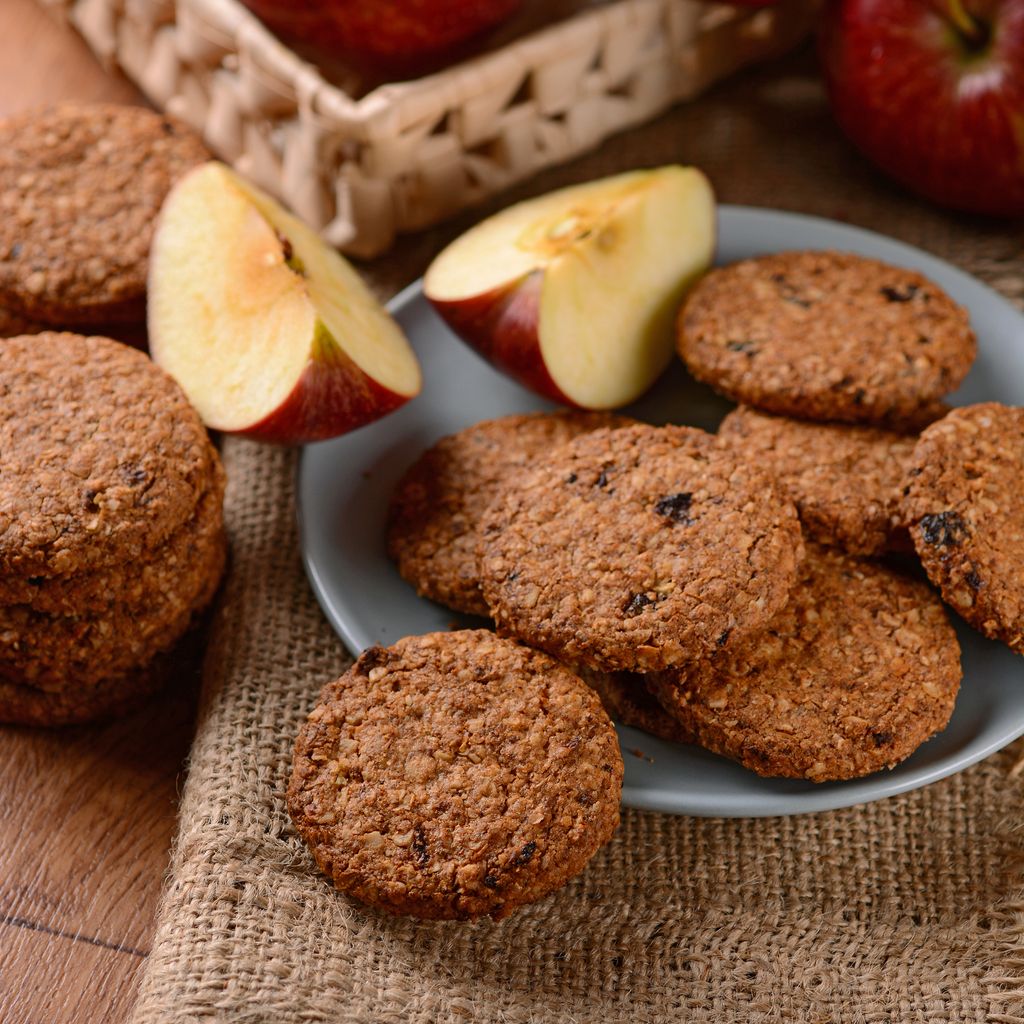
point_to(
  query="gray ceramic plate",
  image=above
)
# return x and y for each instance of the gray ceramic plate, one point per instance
(344, 484)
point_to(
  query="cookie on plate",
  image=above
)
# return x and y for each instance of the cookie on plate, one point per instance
(628, 699)
(826, 336)
(437, 506)
(455, 775)
(638, 549)
(111, 523)
(80, 189)
(965, 504)
(846, 481)
(857, 672)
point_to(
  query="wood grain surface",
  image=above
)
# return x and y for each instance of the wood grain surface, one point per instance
(86, 814)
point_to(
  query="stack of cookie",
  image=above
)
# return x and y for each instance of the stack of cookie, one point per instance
(111, 528)
(80, 189)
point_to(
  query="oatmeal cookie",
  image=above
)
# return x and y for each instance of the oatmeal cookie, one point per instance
(103, 457)
(438, 504)
(857, 672)
(638, 549)
(846, 481)
(80, 188)
(118, 695)
(83, 649)
(965, 504)
(131, 584)
(628, 699)
(455, 775)
(826, 336)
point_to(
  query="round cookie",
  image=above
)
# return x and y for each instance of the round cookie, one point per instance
(455, 775)
(119, 695)
(826, 336)
(965, 504)
(855, 674)
(638, 549)
(80, 189)
(628, 699)
(103, 457)
(167, 567)
(846, 481)
(438, 504)
(52, 651)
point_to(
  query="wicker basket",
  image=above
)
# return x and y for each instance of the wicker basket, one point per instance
(409, 154)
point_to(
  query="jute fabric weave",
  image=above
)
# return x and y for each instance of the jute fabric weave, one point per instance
(904, 910)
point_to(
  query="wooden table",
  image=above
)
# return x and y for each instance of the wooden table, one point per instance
(86, 814)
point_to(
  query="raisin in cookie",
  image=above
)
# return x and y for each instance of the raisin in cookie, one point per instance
(638, 549)
(965, 504)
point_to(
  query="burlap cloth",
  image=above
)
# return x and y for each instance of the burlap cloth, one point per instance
(904, 910)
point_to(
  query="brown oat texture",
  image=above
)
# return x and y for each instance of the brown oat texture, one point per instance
(826, 336)
(74, 704)
(97, 641)
(628, 698)
(855, 674)
(455, 775)
(437, 506)
(170, 566)
(846, 480)
(639, 549)
(103, 457)
(80, 188)
(965, 503)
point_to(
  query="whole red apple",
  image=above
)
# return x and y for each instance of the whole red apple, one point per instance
(399, 34)
(933, 92)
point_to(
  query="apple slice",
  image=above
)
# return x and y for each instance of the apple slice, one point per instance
(574, 294)
(268, 330)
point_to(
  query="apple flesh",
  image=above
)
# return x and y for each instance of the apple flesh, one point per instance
(268, 330)
(574, 294)
(932, 91)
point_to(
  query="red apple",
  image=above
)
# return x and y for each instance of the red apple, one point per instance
(401, 34)
(933, 92)
(268, 330)
(574, 293)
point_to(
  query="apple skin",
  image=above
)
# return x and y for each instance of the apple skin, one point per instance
(401, 35)
(936, 112)
(501, 325)
(332, 396)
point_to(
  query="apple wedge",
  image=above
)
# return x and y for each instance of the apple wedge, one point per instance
(574, 293)
(268, 330)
